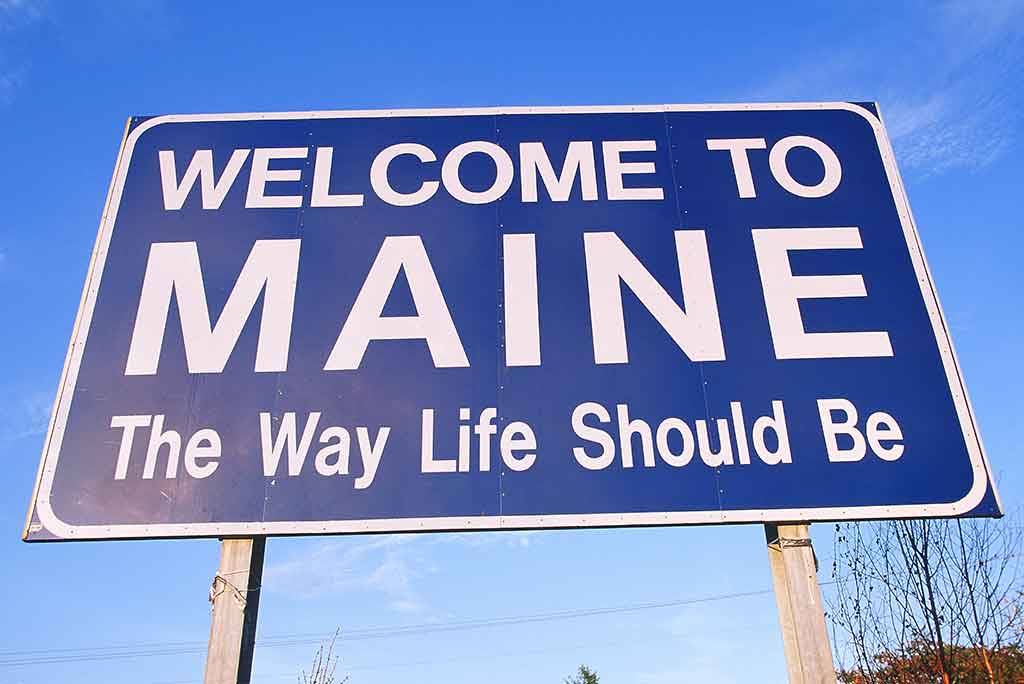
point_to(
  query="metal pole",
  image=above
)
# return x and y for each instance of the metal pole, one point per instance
(801, 613)
(235, 595)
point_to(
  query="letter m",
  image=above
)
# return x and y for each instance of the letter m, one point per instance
(173, 270)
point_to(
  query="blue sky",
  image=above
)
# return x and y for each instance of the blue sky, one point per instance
(947, 76)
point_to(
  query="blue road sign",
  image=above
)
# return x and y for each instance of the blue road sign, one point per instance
(333, 322)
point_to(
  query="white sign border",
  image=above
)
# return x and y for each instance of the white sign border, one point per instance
(55, 432)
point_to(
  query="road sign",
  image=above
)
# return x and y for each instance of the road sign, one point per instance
(506, 318)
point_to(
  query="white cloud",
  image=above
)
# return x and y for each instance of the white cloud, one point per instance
(947, 91)
(27, 413)
(393, 566)
(513, 539)
(708, 647)
(406, 606)
(950, 131)
(10, 81)
(978, 22)
(16, 13)
(340, 565)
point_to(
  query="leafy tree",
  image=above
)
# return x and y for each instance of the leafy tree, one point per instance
(917, 665)
(584, 675)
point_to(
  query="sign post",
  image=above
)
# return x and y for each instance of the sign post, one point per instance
(235, 599)
(798, 596)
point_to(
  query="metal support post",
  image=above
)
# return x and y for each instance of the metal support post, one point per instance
(235, 595)
(801, 613)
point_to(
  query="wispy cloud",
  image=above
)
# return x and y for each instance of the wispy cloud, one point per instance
(979, 22)
(706, 645)
(15, 15)
(10, 81)
(381, 564)
(26, 413)
(948, 92)
(393, 566)
(512, 539)
(965, 111)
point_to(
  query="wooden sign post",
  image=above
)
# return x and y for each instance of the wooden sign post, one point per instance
(235, 595)
(801, 612)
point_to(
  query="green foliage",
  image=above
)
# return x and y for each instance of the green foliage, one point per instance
(584, 675)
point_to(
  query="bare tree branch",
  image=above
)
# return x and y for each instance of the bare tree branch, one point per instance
(928, 602)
